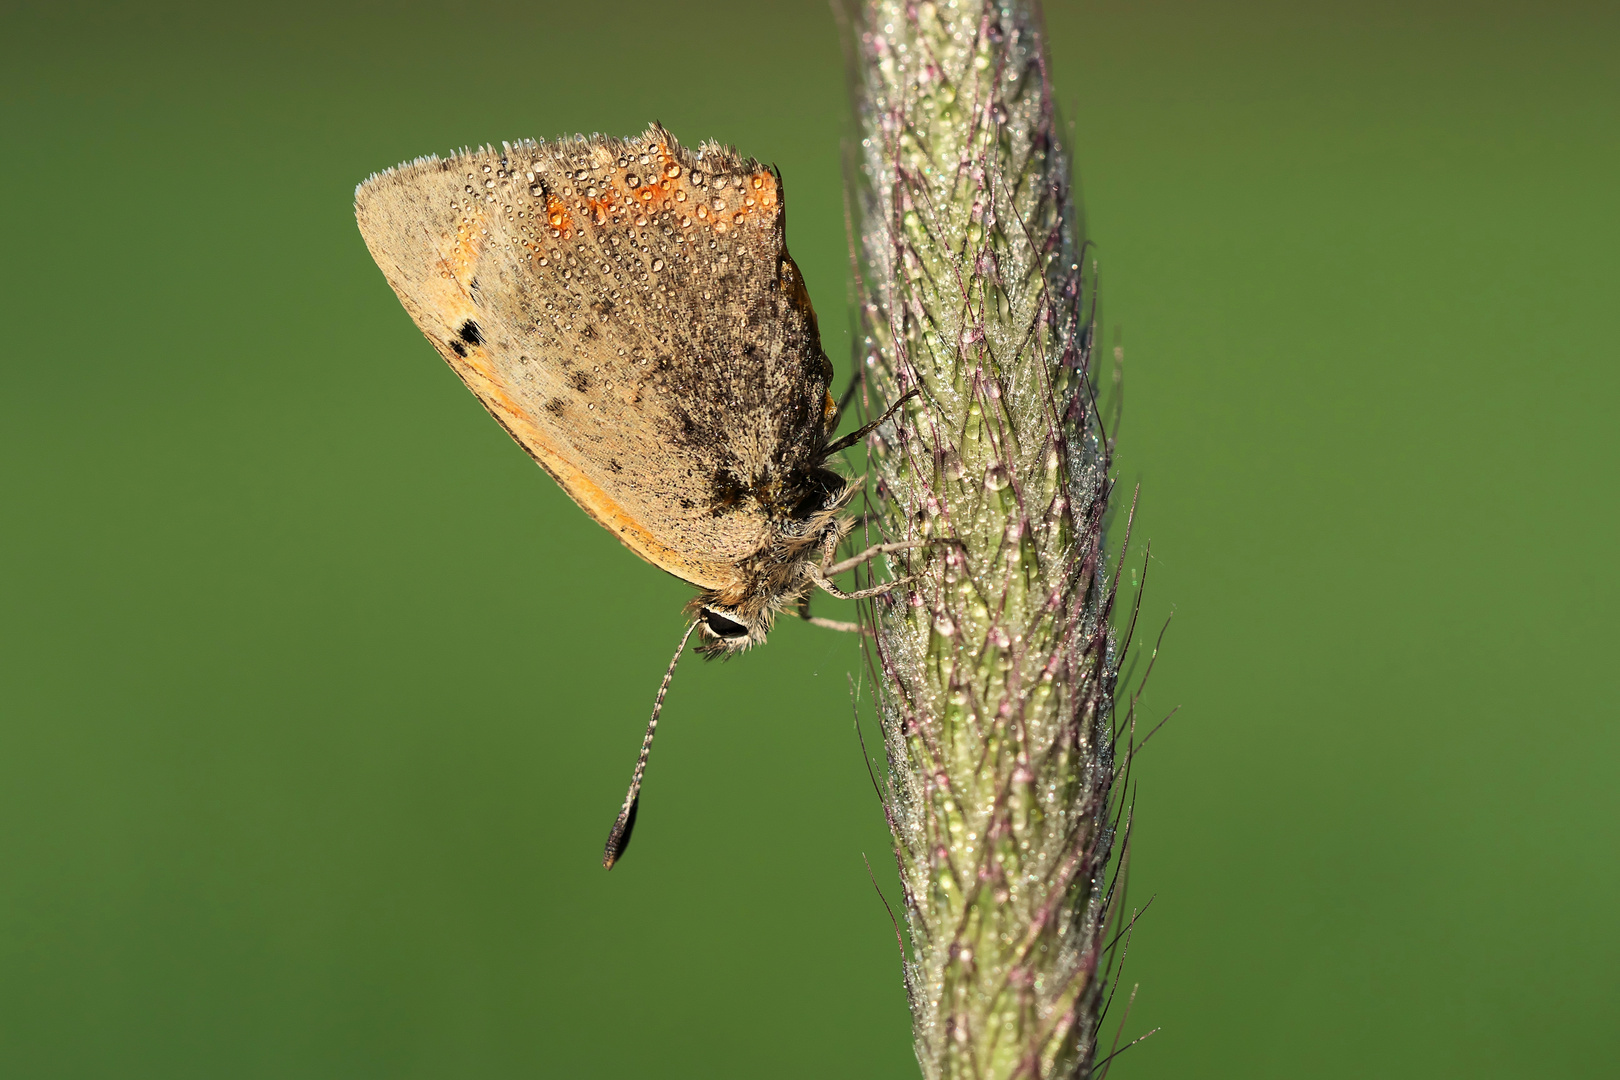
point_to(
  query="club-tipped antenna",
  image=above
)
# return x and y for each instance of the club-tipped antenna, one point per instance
(619, 838)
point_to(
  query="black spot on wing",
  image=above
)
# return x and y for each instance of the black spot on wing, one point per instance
(458, 348)
(471, 334)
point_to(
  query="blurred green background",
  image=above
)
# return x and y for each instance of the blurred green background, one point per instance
(317, 697)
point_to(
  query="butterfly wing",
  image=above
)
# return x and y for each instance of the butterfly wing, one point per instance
(628, 311)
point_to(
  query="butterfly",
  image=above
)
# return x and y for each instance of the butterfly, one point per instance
(628, 311)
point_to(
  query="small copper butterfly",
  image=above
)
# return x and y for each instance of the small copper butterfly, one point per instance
(627, 310)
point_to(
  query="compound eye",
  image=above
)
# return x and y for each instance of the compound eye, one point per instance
(809, 505)
(823, 488)
(722, 627)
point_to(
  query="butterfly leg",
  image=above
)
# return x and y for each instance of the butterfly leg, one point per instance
(825, 584)
(866, 429)
(875, 550)
(822, 574)
(830, 624)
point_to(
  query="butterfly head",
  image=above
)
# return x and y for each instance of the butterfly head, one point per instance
(726, 631)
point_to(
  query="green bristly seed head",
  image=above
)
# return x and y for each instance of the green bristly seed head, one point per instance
(996, 662)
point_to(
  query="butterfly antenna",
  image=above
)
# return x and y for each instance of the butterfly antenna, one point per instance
(619, 838)
(860, 433)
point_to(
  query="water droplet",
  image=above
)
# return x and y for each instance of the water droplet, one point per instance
(658, 264)
(736, 219)
(536, 190)
(633, 180)
(718, 204)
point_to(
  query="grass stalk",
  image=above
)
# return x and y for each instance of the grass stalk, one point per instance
(995, 663)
